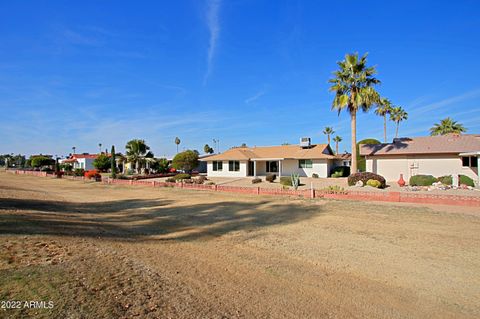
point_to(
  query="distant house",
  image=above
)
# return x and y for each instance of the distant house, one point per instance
(432, 155)
(83, 161)
(304, 159)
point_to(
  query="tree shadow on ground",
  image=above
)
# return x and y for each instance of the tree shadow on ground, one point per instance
(146, 219)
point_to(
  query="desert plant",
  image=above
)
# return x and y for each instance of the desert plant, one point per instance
(334, 188)
(314, 175)
(170, 180)
(295, 180)
(374, 183)
(340, 171)
(138, 152)
(463, 179)
(79, 172)
(182, 177)
(256, 180)
(422, 180)
(270, 177)
(200, 179)
(364, 177)
(336, 175)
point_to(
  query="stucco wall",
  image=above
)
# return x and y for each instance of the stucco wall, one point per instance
(440, 165)
(225, 172)
(320, 167)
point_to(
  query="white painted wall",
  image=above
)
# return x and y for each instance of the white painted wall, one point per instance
(438, 165)
(225, 172)
(320, 167)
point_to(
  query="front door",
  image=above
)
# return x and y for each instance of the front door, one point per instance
(250, 168)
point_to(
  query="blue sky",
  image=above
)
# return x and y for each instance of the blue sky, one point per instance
(250, 71)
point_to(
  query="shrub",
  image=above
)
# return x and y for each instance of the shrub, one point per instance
(374, 183)
(340, 171)
(270, 178)
(314, 175)
(185, 161)
(92, 174)
(463, 179)
(337, 175)
(422, 180)
(188, 181)
(256, 180)
(79, 172)
(200, 179)
(287, 181)
(364, 177)
(179, 177)
(334, 188)
(170, 180)
(102, 162)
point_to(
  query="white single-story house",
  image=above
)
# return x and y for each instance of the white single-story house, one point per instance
(83, 161)
(428, 155)
(304, 159)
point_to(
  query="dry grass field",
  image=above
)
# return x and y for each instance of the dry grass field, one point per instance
(102, 251)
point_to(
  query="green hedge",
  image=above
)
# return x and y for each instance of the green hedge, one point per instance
(182, 176)
(447, 180)
(422, 180)
(340, 171)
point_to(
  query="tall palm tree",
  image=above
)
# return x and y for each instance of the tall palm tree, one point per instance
(73, 149)
(337, 139)
(177, 141)
(138, 153)
(397, 115)
(384, 107)
(100, 147)
(328, 131)
(447, 126)
(353, 84)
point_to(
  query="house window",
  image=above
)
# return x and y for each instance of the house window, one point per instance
(271, 166)
(233, 166)
(474, 161)
(217, 165)
(465, 161)
(305, 163)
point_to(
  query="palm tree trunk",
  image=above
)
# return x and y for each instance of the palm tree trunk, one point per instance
(336, 148)
(353, 124)
(385, 128)
(396, 131)
(137, 166)
(328, 139)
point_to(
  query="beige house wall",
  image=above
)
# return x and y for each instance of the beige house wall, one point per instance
(391, 167)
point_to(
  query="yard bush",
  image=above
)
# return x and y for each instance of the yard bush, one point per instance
(92, 174)
(340, 171)
(373, 183)
(364, 177)
(170, 180)
(464, 179)
(256, 180)
(422, 180)
(270, 177)
(200, 179)
(287, 181)
(79, 172)
(181, 177)
(314, 175)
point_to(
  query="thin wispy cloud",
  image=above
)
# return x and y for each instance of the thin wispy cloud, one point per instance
(255, 97)
(446, 102)
(212, 16)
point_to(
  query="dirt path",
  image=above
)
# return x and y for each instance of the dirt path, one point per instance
(100, 251)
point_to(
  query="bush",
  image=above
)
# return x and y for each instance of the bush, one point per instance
(422, 180)
(337, 175)
(464, 179)
(185, 161)
(188, 181)
(200, 180)
(182, 177)
(373, 183)
(340, 171)
(270, 178)
(256, 180)
(364, 177)
(170, 180)
(102, 162)
(92, 174)
(287, 181)
(79, 172)
(314, 175)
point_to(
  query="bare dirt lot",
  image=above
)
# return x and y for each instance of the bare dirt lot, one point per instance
(102, 251)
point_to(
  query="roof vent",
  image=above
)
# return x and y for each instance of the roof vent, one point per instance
(305, 142)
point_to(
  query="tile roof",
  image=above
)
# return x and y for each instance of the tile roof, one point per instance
(445, 144)
(316, 151)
